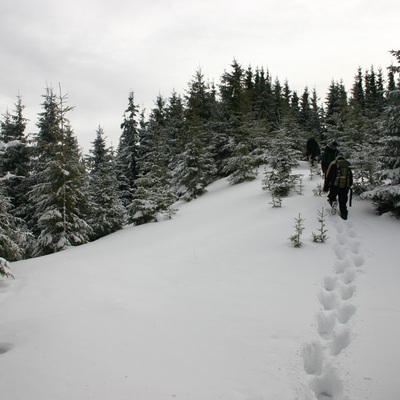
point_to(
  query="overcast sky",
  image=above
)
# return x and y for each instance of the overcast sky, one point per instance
(100, 50)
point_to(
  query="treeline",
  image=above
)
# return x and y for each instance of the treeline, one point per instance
(53, 197)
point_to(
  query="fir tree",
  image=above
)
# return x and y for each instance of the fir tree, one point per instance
(232, 91)
(336, 109)
(283, 157)
(175, 127)
(315, 116)
(199, 99)
(12, 238)
(106, 210)
(357, 100)
(242, 162)
(58, 196)
(386, 197)
(127, 152)
(15, 162)
(194, 169)
(5, 270)
(364, 162)
(321, 235)
(263, 103)
(299, 228)
(153, 196)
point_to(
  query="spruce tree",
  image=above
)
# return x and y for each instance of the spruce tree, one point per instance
(153, 196)
(58, 197)
(15, 161)
(12, 237)
(107, 213)
(127, 152)
(194, 168)
(315, 124)
(336, 111)
(386, 196)
(232, 92)
(199, 99)
(357, 100)
(242, 162)
(283, 156)
(371, 94)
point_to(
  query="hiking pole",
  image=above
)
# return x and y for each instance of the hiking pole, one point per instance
(351, 196)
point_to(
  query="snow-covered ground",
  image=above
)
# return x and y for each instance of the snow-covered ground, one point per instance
(213, 304)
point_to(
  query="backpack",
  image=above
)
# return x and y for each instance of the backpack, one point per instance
(342, 179)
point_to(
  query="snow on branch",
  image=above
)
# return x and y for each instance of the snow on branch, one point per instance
(5, 268)
(11, 143)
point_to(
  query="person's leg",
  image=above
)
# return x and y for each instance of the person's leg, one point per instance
(343, 196)
(332, 195)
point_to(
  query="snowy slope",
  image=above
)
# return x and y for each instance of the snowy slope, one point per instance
(213, 304)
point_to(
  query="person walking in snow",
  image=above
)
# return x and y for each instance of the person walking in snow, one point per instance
(338, 181)
(312, 150)
(329, 154)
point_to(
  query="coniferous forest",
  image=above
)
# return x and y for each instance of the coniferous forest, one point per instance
(52, 196)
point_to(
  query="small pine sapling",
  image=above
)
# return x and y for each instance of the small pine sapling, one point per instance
(318, 190)
(314, 170)
(320, 236)
(298, 183)
(276, 201)
(299, 228)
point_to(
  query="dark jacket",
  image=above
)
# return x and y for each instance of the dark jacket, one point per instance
(329, 154)
(312, 148)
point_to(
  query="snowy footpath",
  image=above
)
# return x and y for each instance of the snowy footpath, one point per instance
(215, 304)
(337, 309)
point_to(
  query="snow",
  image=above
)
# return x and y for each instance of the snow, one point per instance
(213, 304)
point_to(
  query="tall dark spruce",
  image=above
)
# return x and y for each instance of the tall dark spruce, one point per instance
(58, 198)
(106, 212)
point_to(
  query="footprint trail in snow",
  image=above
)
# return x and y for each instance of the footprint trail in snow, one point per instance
(322, 356)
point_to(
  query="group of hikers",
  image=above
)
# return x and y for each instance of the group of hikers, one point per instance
(337, 174)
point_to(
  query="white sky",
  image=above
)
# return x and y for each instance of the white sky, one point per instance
(100, 50)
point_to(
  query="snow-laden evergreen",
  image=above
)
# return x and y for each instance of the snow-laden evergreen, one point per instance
(13, 237)
(58, 197)
(127, 152)
(386, 196)
(106, 213)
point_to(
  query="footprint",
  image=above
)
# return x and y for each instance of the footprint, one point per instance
(355, 247)
(358, 261)
(313, 358)
(348, 292)
(339, 228)
(330, 283)
(5, 347)
(341, 266)
(351, 234)
(328, 300)
(341, 238)
(348, 276)
(345, 313)
(327, 386)
(340, 340)
(326, 322)
(339, 251)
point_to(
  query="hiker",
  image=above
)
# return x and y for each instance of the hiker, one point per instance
(338, 180)
(329, 154)
(312, 150)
